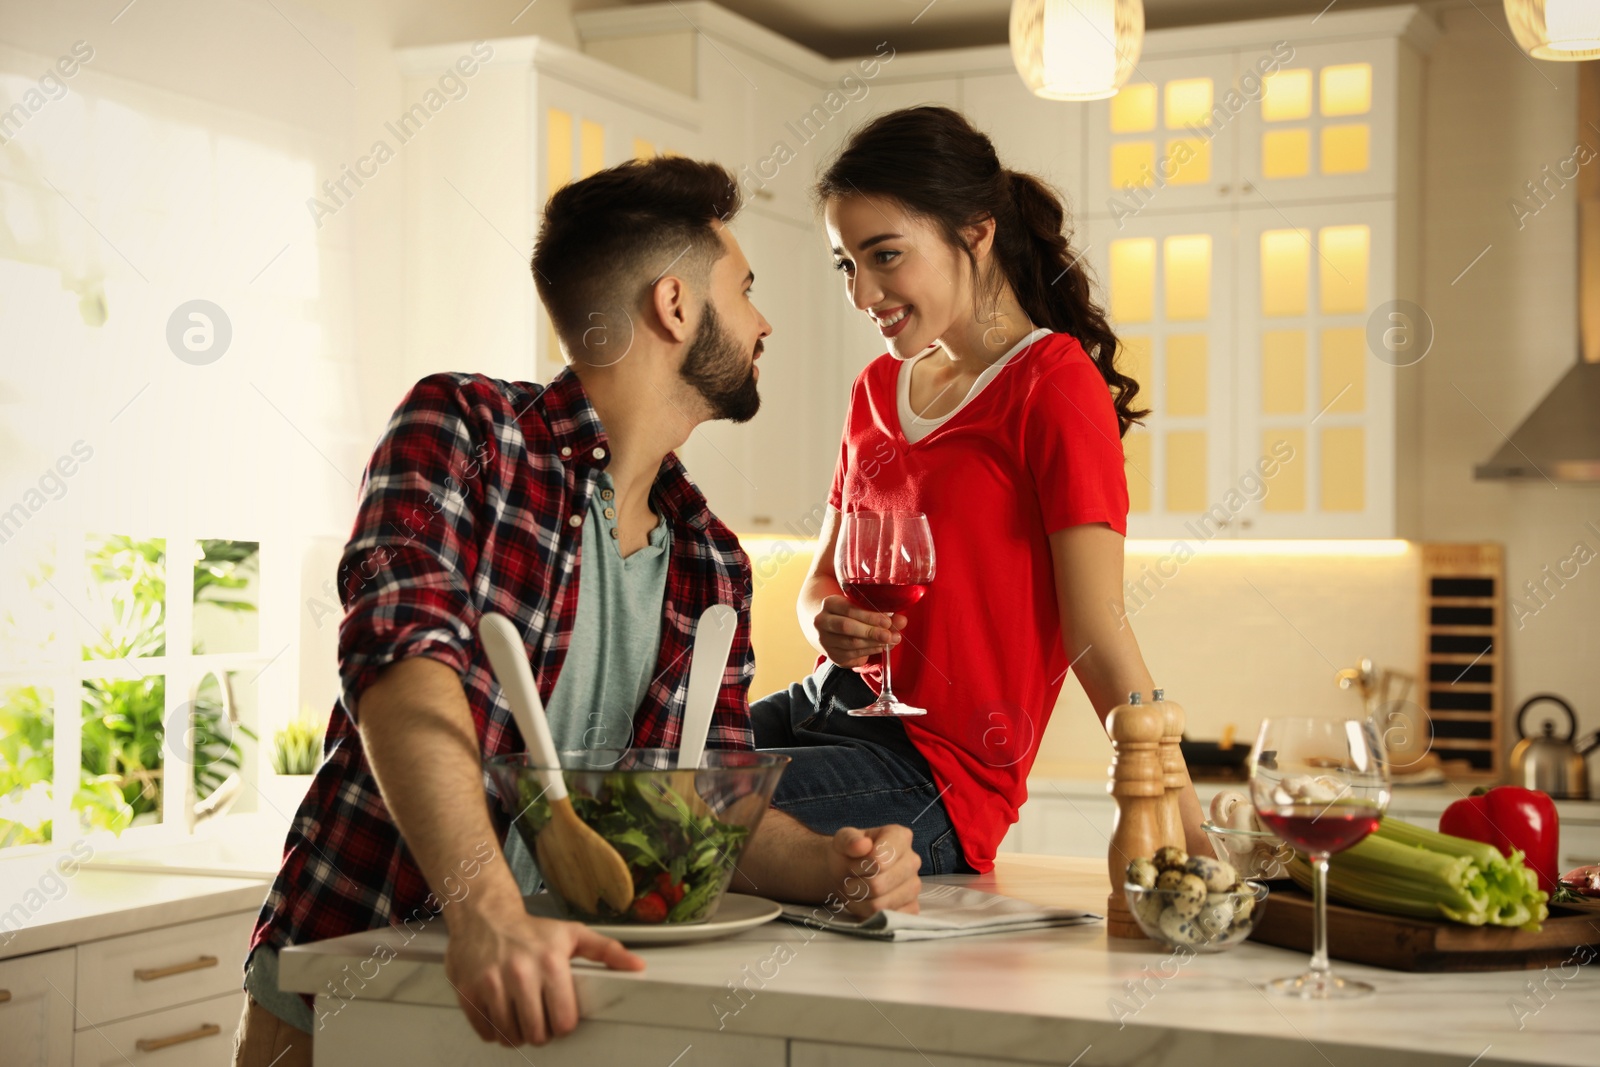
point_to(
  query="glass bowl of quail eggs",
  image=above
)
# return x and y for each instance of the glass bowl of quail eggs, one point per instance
(1194, 903)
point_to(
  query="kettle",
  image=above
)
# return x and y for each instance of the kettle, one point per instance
(1551, 764)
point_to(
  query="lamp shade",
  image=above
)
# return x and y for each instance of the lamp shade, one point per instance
(1549, 29)
(1076, 49)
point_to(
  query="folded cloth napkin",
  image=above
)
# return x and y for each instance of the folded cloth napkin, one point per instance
(947, 910)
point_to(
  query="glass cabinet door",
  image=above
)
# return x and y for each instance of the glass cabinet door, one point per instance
(1165, 142)
(1325, 126)
(1167, 286)
(1314, 405)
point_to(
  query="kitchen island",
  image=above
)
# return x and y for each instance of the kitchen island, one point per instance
(783, 994)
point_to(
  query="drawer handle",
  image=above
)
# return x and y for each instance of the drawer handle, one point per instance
(150, 1044)
(150, 974)
(5, 996)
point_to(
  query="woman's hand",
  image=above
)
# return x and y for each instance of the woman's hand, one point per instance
(850, 636)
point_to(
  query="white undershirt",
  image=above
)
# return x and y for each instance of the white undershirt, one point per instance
(916, 428)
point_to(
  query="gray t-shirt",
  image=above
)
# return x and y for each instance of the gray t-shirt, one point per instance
(611, 660)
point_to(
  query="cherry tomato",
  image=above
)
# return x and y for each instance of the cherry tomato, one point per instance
(650, 908)
(670, 890)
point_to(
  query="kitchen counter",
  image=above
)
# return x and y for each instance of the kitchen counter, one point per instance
(785, 994)
(98, 904)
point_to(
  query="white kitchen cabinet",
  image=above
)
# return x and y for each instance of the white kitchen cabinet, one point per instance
(1155, 145)
(370, 1031)
(1181, 174)
(768, 474)
(1327, 124)
(190, 1035)
(791, 124)
(1307, 380)
(477, 178)
(36, 1009)
(1168, 282)
(790, 443)
(1251, 333)
(1299, 432)
(135, 974)
(1058, 823)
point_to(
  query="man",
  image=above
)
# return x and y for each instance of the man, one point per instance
(486, 495)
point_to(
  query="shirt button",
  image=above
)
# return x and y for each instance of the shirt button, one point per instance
(566, 453)
(606, 494)
(614, 534)
(599, 453)
(611, 513)
(576, 520)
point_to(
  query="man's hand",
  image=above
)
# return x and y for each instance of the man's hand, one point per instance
(512, 972)
(850, 636)
(875, 870)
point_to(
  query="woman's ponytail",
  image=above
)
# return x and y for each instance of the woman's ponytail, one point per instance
(1054, 288)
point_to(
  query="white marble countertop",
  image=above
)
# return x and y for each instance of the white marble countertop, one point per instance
(1043, 996)
(53, 898)
(97, 904)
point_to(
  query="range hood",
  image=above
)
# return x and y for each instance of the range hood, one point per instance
(1560, 441)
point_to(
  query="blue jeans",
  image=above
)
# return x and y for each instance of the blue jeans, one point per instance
(851, 771)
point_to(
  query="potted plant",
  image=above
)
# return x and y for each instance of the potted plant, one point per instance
(296, 754)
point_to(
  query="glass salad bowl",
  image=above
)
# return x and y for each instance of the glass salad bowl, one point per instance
(681, 832)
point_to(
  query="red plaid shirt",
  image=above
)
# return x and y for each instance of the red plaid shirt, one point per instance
(472, 502)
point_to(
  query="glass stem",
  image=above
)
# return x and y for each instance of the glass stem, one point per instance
(887, 696)
(1319, 954)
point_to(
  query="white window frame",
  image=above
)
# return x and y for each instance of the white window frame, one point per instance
(272, 668)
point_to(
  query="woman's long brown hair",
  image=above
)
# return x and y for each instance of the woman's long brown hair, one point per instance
(940, 167)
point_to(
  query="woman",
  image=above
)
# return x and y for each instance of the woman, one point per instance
(998, 412)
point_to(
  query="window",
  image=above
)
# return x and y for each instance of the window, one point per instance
(161, 506)
(110, 721)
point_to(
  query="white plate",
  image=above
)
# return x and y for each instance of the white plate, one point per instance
(736, 912)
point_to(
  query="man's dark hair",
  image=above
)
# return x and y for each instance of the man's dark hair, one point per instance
(603, 239)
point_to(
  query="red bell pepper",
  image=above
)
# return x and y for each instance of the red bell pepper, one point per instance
(1510, 817)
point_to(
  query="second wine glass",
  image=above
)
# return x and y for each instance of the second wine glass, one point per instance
(884, 562)
(1321, 784)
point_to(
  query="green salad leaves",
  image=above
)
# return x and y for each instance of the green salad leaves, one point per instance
(680, 860)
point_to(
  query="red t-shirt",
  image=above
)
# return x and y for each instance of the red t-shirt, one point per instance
(1036, 451)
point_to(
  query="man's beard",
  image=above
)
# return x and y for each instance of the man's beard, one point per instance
(714, 367)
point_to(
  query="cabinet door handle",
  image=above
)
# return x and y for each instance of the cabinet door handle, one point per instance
(150, 1044)
(150, 974)
(5, 996)
(765, 194)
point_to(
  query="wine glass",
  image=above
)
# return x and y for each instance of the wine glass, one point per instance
(884, 562)
(1321, 784)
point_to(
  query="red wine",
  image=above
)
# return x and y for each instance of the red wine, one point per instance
(1322, 828)
(881, 596)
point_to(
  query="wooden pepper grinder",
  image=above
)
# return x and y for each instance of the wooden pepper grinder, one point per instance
(1137, 783)
(1175, 773)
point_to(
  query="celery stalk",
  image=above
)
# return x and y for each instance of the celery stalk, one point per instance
(1409, 870)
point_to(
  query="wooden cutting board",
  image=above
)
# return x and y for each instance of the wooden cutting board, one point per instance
(1404, 944)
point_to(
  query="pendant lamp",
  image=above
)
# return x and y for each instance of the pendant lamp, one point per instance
(1076, 49)
(1549, 29)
